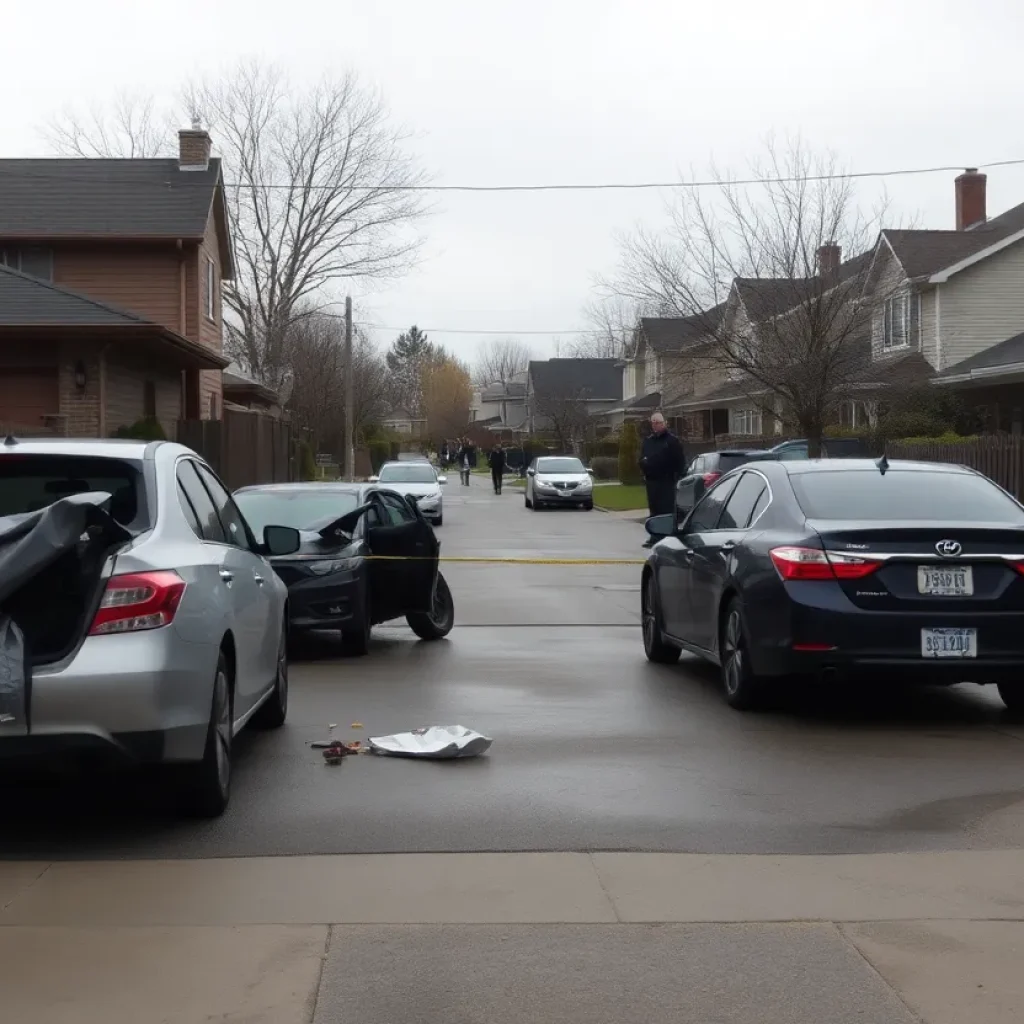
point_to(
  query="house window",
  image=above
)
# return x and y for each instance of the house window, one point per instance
(857, 415)
(211, 284)
(896, 322)
(149, 399)
(34, 260)
(745, 421)
(652, 371)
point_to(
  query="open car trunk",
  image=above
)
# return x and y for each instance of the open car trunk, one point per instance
(51, 574)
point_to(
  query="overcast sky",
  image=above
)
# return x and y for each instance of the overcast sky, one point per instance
(569, 91)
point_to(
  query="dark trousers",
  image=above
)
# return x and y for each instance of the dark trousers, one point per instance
(661, 496)
(496, 480)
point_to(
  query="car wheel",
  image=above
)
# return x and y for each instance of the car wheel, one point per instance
(743, 690)
(357, 641)
(526, 501)
(655, 647)
(274, 710)
(438, 622)
(204, 788)
(589, 506)
(1012, 695)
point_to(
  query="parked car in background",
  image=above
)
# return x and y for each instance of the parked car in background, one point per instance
(831, 448)
(149, 614)
(418, 480)
(332, 582)
(842, 568)
(558, 480)
(411, 457)
(705, 469)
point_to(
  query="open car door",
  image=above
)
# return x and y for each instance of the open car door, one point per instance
(403, 580)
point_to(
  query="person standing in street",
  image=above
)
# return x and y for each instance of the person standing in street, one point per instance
(464, 463)
(496, 460)
(662, 461)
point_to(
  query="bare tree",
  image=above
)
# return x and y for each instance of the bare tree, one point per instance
(565, 408)
(500, 360)
(761, 270)
(613, 320)
(320, 190)
(131, 128)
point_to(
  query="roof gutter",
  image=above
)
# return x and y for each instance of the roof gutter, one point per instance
(981, 373)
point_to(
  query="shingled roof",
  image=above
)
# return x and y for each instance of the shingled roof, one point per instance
(1006, 353)
(592, 379)
(676, 333)
(30, 302)
(94, 199)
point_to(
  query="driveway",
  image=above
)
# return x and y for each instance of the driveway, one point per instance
(594, 748)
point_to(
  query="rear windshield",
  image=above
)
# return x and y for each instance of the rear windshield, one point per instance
(299, 509)
(932, 497)
(31, 482)
(560, 466)
(730, 460)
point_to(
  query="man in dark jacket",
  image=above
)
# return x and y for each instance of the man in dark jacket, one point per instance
(662, 462)
(496, 460)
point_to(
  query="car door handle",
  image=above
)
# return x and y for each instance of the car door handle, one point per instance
(226, 576)
(258, 578)
(727, 548)
(687, 553)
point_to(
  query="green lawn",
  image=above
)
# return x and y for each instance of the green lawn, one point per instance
(620, 497)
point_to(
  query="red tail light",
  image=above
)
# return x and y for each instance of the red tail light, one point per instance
(710, 478)
(138, 600)
(815, 564)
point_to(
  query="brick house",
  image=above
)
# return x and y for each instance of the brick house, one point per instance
(110, 291)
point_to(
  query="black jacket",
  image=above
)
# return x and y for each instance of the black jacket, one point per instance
(661, 457)
(496, 460)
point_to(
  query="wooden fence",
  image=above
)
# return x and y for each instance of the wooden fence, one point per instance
(999, 457)
(243, 448)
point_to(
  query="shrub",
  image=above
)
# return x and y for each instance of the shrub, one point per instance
(380, 452)
(307, 461)
(146, 429)
(629, 455)
(949, 437)
(605, 467)
(606, 447)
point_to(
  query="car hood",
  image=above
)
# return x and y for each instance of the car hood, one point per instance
(417, 489)
(562, 478)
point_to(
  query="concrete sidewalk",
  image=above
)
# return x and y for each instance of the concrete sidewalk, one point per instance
(509, 937)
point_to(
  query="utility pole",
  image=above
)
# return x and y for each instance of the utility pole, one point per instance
(350, 448)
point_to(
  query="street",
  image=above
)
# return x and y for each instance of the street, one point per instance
(594, 748)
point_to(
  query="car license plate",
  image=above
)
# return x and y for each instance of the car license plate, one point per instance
(945, 581)
(951, 642)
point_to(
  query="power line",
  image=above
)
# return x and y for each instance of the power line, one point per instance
(461, 330)
(384, 187)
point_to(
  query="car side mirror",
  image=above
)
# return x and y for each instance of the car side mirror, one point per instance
(374, 478)
(281, 540)
(661, 526)
(442, 479)
(590, 470)
(531, 472)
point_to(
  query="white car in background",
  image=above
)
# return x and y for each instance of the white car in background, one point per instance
(558, 480)
(418, 481)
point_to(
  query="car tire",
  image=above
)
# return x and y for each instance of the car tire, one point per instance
(356, 642)
(1012, 695)
(743, 690)
(438, 622)
(655, 646)
(204, 788)
(274, 710)
(589, 506)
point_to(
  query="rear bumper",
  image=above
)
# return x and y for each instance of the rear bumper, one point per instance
(141, 696)
(337, 601)
(861, 642)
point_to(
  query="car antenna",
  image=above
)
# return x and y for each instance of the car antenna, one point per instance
(10, 441)
(882, 464)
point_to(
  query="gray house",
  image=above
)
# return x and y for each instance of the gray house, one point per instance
(562, 395)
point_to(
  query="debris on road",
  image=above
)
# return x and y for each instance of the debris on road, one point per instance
(435, 743)
(338, 751)
(359, 725)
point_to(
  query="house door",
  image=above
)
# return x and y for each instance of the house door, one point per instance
(26, 397)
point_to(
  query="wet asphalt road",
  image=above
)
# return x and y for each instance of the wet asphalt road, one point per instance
(594, 749)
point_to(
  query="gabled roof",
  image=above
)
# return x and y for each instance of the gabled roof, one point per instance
(922, 253)
(593, 379)
(1006, 353)
(29, 302)
(110, 199)
(674, 334)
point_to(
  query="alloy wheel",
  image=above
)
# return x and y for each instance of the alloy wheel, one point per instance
(282, 671)
(222, 726)
(732, 653)
(650, 624)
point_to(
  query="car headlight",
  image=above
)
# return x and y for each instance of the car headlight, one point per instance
(329, 565)
(585, 484)
(546, 484)
(429, 501)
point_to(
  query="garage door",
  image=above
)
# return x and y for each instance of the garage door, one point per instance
(26, 396)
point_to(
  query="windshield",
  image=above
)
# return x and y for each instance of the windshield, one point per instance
(560, 466)
(301, 510)
(408, 473)
(31, 482)
(932, 497)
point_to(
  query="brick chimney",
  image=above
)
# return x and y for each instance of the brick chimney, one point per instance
(193, 148)
(970, 199)
(830, 255)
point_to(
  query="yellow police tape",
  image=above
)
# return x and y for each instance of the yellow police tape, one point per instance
(509, 561)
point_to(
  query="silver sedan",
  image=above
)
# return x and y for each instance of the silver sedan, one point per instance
(152, 624)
